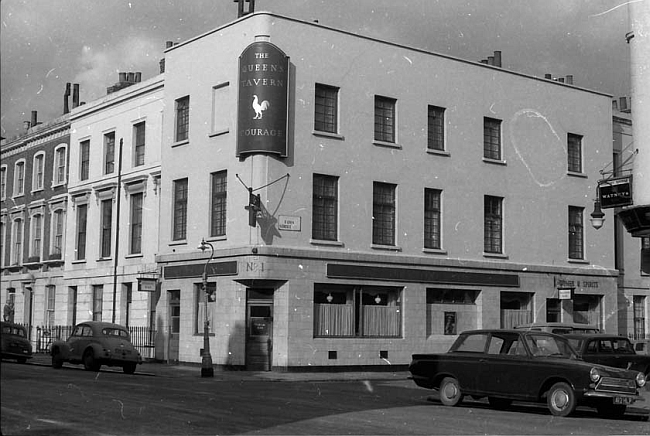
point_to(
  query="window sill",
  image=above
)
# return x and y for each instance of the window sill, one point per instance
(179, 242)
(133, 255)
(326, 242)
(495, 255)
(328, 135)
(219, 132)
(57, 184)
(386, 247)
(80, 261)
(179, 143)
(580, 261)
(216, 238)
(495, 161)
(17, 196)
(434, 152)
(36, 190)
(386, 144)
(104, 259)
(574, 174)
(434, 251)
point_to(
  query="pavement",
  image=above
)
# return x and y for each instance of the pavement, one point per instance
(161, 369)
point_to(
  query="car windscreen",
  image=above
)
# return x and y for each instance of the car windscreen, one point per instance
(549, 346)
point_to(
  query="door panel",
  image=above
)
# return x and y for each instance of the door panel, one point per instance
(174, 325)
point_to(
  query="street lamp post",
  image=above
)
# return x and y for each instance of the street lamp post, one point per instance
(206, 358)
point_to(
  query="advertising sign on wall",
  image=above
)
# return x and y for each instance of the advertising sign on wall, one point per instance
(615, 192)
(263, 100)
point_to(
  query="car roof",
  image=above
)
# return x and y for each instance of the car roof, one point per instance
(102, 324)
(557, 324)
(593, 336)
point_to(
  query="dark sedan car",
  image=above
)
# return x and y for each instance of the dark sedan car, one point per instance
(610, 350)
(15, 344)
(96, 343)
(521, 365)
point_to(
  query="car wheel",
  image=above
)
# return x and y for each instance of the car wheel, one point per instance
(129, 368)
(450, 394)
(499, 403)
(561, 399)
(611, 410)
(57, 360)
(90, 364)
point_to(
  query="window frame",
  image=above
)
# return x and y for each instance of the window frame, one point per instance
(17, 241)
(384, 214)
(218, 203)
(60, 165)
(106, 228)
(97, 302)
(38, 171)
(20, 169)
(492, 139)
(136, 223)
(58, 217)
(576, 236)
(182, 119)
(81, 231)
(139, 143)
(179, 212)
(3, 181)
(109, 153)
(385, 120)
(436, 140)
(432, 219)
(50, 305)
(574, 153)
(326, 109)
(493, 235)
(36, 235)
(325, 207)
(84, 159)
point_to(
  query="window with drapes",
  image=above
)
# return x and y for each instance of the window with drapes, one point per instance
(516, 309)
(355, 311)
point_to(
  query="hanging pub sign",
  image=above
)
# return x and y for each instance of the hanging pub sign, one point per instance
(146, 284)
(263, 100)
(615, 192)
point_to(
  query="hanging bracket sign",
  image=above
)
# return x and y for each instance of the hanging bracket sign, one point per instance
(615, 192)
(263, 100)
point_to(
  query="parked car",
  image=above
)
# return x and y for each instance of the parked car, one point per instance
(559, 328)
(14, 342)
(523, 365)
(95, 343)
(610, 350)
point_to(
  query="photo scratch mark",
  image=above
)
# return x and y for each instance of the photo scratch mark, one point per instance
(614, 8)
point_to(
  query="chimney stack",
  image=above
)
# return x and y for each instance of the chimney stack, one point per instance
(66, 97)
(569, 79)
(34, 118)
(75, 95)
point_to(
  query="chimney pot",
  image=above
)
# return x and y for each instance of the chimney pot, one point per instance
(490, 60)
(34, 118)
(122, 77)
(569, 79)
(623, 103)
(169, 44)
(138, 77)
(548, 76)
(484, 61)
(497, 58)
(130, 77)
(560, 79)
(162, 65)
(26, 125)
(614, 105)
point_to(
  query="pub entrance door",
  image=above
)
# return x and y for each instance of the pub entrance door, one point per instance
(259, 329)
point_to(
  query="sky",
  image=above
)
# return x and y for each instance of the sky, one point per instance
(46, 43)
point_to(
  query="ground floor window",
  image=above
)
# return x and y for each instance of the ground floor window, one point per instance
(357, 311)
(553, 310)
(586, 310)
(451, 311)
(516, 309)
(639, 316)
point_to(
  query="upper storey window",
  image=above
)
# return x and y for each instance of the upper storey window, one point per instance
(574, 153)
(385, 119)
(326, 109)
(182, 119)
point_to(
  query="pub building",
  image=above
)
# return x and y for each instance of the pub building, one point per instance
(360, 201)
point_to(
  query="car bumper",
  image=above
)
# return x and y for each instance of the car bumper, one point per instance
(624, 398)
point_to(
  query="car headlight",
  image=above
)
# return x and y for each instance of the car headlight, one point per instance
(594, 375)
(640, 380)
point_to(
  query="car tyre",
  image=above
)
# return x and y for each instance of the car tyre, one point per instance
(499, 403)
(57, 360)
(129, 368)
(561, 399)
(90, 363)
(450, 394)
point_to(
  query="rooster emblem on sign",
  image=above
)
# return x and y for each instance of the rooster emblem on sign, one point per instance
(259, 108)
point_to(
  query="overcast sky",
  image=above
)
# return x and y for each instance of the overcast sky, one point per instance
(46, 43)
